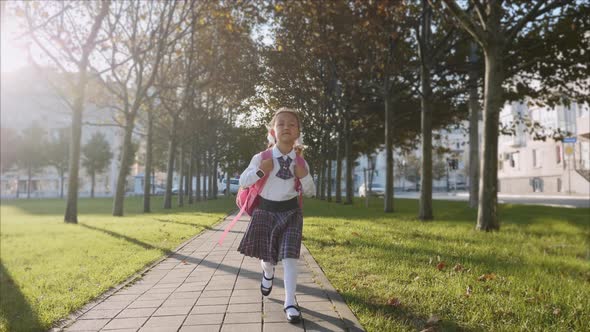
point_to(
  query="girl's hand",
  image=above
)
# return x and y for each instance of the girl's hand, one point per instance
(300, 172)
(266, 166)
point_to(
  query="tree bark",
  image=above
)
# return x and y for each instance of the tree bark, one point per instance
(147, 183)
(191, 170)
(71, 214)
(29, 176)
(205, 174)
(349, 161)
(181, 176)
(487, 218)
(425, 209)
(388, 199)
(329, 180)
(92, 182)
(338, 183)
(61, 183)
(473, 130)
(198, 184)
(170, 171)
(119, 198)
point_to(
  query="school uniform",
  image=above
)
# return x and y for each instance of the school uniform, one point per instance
(276, 228)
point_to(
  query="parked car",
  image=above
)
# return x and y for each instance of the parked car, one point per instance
(376, 190)
(234, 185)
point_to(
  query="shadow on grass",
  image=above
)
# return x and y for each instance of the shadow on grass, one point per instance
(128, 239)
(453, 212)
(14, 307)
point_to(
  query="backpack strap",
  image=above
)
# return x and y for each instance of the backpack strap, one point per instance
(299, 161)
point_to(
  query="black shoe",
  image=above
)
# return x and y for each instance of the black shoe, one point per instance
(293, 319)
(266, 291)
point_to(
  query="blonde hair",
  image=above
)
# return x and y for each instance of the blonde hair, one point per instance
(272, 141)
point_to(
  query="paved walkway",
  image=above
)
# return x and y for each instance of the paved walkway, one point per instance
(205, 287)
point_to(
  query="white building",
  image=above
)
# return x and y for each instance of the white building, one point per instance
(27, 98)
(526, 165)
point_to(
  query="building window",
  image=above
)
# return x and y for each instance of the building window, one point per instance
(537, 184)
(514, 160)
(559, 185)
(558, 154)
(536, 158)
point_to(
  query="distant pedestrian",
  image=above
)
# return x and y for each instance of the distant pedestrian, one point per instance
(275, 231)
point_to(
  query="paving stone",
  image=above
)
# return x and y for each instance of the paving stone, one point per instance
(200, 328)
(174, 302)
(172, 311)
(242, 317)
(97, 313)
(282, 327)
(136, 312)
(165, 321)
(88, 325)
(146, 304)
(217, 293)
(185, 295)
(241, 327)
(212, 301)
(204, 319)
(209, 309)
(248, 307)
(125, 323)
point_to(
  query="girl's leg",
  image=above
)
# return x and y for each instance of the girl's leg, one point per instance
(290, 267)
(268, 269)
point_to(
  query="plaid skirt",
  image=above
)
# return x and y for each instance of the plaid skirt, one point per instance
(272, 236)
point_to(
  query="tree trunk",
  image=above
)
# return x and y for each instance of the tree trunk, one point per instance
(191, 170)
(329, 179)
(181, 179)
(339, 169)
(473, 130)
(148, 165)
(198, 173)
(71, 215)
(170, 172)
(205, 174)
(92, 182)
(487, 217)
(322, 175)
(215, 189)
(61, 183)
(119, 198)
(29, 176)
(388, 199)
(349, 161)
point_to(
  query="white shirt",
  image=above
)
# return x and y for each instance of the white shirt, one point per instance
(277, 189)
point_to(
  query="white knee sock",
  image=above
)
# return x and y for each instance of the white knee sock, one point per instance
(290, 267)
(268, 269)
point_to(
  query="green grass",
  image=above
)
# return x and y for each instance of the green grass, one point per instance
(539, 261)
(49, 269)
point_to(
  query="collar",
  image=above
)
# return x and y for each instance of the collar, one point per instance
(276, 153)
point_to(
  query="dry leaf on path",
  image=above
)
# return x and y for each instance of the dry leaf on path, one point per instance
(440, 266)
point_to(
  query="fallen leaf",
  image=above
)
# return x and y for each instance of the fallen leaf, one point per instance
(486, 277)
(469, 291)
(394, 302)
(433, 320)
(440, 266)
(430, 260)
(458, 268)
(556, 312)
(355, 234)
(184, 262)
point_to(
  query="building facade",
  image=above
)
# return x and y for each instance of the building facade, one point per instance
(529, 166)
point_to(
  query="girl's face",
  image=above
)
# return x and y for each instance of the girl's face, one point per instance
(286, 128)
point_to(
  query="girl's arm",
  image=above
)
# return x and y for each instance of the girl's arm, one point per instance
(307, 184)
(249, 176)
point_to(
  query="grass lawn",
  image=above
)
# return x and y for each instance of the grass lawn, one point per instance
(49, 268)
(396, 272)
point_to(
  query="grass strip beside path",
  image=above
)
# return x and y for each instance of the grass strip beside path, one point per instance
(49, 269)
(397, 273)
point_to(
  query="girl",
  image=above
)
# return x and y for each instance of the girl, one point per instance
(274, 233)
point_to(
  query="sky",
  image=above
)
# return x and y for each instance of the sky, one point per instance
(12, 55)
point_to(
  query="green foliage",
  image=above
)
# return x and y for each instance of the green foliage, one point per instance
(96, 154)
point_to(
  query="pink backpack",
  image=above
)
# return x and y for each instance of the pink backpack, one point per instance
(247, 199)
